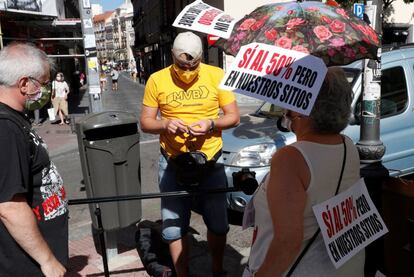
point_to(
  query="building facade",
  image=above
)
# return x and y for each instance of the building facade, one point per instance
(54, 28)
(100, 22)
(115, 36)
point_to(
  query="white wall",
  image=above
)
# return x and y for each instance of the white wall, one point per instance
(238, 10)
(404, 13)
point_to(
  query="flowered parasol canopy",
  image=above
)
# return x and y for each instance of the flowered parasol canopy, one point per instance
(328, 32)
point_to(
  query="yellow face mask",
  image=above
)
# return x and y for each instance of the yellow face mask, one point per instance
(186, 76)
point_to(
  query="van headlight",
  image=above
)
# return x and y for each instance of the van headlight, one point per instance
(255, 155)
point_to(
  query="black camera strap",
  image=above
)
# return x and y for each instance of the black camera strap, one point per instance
(168, 158)
(302, 254)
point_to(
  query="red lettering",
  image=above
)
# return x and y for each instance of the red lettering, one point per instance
(337, 218)
(281, 63)
(208, 17)
(257, 65)
(330, 220)
(46, 207)
(353, 208)
(62, 193)
(36, 212)
(245, 57)
(50, 204)
(272, 64)
(329, 228)
(344, 213)
(55, 201)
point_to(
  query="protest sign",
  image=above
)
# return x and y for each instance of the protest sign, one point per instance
(201, 17)
(286, 78)
(349, 222)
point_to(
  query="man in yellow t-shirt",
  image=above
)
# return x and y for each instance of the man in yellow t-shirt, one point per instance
(187, 96)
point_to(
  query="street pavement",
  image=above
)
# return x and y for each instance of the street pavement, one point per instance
(123, 257)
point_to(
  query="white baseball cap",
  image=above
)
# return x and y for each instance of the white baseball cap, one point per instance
(188, 43)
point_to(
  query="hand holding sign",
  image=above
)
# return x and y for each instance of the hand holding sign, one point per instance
(287, 78)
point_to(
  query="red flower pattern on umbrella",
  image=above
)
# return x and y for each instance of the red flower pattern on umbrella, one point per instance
(326, 31)
(322, 33)
(284, 42)
(337, 26)
(300, 48)
(326, 19)
(271, 34)
(294, 22)
(247, 24)
(337, 42)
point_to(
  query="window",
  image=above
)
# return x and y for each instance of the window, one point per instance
(394, 93)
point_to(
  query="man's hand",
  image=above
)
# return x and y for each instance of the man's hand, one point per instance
(176, 126)
(200, 128)
(53, 268)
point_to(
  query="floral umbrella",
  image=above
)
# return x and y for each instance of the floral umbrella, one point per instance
(326, 31)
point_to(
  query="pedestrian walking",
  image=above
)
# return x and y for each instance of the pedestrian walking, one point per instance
(115, 77)
(33, 205)
(303, 174)
(190, 129)
(134, 73)
(60, 91)
(102, 80)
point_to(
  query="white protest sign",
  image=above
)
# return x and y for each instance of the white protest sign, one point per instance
(201, 17)
(349, 222)
(286, 78)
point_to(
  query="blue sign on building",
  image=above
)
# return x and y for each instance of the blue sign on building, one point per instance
(359, 10)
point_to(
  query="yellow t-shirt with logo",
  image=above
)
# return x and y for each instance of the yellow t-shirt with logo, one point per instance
(190, 103)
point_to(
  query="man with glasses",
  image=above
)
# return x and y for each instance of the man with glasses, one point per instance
(187, 96)
(33, 206)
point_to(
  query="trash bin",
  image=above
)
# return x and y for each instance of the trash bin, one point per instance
(110, 157)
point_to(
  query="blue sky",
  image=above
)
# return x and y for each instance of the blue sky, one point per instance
(108, 5)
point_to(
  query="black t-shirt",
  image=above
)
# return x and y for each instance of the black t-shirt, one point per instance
(25, 168)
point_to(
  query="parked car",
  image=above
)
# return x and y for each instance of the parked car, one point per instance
(254, 141)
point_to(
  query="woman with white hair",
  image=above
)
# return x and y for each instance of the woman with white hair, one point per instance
(303, 174)
(60, 91)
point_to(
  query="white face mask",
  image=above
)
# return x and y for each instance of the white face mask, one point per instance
(284, 124)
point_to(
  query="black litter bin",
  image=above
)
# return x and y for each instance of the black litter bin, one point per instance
(110, 158)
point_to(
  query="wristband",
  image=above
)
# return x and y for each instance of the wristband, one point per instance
(212, 125)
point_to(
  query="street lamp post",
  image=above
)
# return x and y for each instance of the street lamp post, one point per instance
(91, 59)
(370, 147)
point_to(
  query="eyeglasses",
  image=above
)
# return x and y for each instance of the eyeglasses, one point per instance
(46, 84)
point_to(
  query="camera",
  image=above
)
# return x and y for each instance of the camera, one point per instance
(245, 180)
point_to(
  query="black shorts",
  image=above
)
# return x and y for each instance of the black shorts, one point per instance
(114, 81)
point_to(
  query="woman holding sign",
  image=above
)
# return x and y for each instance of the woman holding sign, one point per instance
(303, 174)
